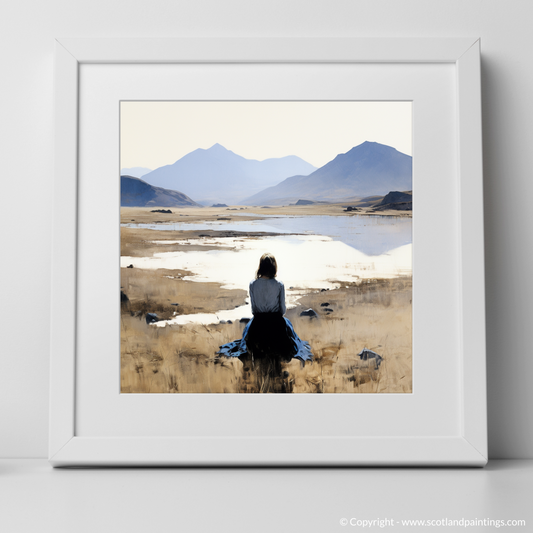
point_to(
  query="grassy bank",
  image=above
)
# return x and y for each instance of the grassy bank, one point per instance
(375, 314)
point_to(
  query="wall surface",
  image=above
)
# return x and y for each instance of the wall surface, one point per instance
(27, 32)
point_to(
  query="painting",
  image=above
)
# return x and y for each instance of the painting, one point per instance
(266, 247)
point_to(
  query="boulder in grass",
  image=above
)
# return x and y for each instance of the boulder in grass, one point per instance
(365, 355)
(151, 318)
(124, 302)
(244, 320)
(310, 313)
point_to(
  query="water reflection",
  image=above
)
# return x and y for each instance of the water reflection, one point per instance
(372, 235)
(306, 263)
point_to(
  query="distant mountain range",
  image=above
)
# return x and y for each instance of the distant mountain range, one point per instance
(135, 192)
(135, 172)
(368, 169)
(218, 175)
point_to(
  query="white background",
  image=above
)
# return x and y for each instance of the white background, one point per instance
(27, 31)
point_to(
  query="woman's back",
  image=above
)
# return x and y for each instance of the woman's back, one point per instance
(267, 295)
(268, 335)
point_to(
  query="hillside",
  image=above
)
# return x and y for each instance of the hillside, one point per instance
(135, 172)
(399, 201)
(368, 169)
(135, 192)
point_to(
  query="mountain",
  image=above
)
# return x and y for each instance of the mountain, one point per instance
(135, 192)
(218, 175)
(366, 170)
(135, 172)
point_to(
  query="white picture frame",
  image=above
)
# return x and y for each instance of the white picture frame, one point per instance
(466, 446)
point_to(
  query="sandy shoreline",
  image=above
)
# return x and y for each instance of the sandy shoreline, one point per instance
(143, 215)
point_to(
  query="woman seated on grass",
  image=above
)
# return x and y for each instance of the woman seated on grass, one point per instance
(269, 335)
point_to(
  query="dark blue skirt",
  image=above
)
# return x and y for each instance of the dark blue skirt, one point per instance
(269, 334)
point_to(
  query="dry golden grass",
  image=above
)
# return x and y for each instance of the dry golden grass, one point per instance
(154, 291)
(376, 315)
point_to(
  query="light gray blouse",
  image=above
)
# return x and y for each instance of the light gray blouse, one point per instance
(267, 296)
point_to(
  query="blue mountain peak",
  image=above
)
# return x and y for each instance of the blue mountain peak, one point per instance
(218, 147)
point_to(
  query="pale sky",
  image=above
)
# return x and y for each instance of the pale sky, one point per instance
(153, 134)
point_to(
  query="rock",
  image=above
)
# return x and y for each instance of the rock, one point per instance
(124, 302)
(365, 354)
(174, 304)
(324, 290)
(161, 211)
(350, 208)
(244, 320)
(129, 266)
(328, 310)
(310, 313)
(151, 318)
(325, 304)
(229, 322)
(395, 197)
(222, 322)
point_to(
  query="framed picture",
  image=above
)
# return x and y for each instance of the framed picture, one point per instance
(179, 163)
(332, 224)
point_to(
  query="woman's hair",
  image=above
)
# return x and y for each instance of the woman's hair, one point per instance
(267, 266)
